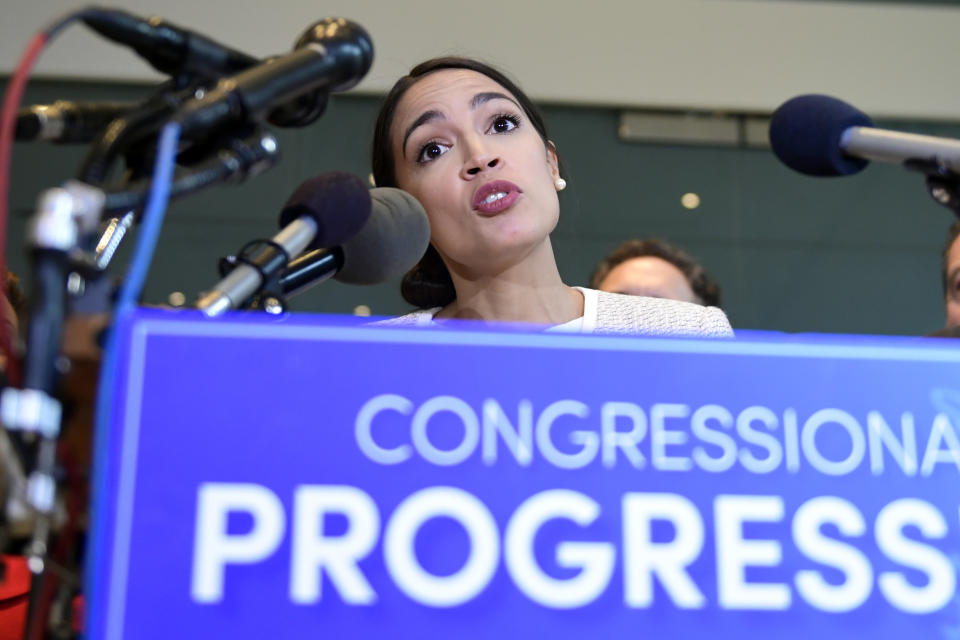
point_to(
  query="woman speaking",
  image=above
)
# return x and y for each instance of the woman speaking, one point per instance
(473, 149)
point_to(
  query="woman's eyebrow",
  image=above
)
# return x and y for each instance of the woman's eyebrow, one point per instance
(425, 117)
(487, 96)
(429, 116)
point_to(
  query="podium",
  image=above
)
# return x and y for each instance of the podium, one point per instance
(317, 477)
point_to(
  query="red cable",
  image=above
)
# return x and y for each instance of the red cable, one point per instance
(11, 102)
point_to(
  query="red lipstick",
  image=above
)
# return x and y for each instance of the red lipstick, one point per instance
(494, 197)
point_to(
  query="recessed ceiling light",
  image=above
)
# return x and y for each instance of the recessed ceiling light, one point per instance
(690, 200)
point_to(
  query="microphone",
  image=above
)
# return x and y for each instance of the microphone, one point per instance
(390, 243)
(327, 209)
(67, 122)
(332, 55)
(167, 47)
(822, 136)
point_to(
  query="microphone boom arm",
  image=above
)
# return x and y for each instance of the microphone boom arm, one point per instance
(883, 145)
(937, 158)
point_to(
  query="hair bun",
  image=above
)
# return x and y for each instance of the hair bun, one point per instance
(428, 284)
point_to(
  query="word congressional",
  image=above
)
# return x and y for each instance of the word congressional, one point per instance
(569, 434)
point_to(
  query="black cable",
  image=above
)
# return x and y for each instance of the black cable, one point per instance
(59, 24)
(234, 160)
(124, 132)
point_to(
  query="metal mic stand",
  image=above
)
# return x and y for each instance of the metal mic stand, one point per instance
(59, 238)
(64, 222)
(33, 413)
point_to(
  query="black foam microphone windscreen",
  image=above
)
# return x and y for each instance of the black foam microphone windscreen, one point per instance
(338, 202)
(806, 134)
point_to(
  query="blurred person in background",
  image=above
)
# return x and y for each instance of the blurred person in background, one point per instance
(950, 276)
(655, 268)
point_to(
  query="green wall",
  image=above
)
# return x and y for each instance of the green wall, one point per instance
(852, 255)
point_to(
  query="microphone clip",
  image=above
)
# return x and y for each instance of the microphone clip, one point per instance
(943, 184)
(269, 259)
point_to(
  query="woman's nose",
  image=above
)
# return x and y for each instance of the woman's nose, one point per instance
(480, 159)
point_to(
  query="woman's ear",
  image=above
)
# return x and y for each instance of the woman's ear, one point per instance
(552, 160)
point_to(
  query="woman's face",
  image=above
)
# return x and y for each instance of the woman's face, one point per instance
(465, 149)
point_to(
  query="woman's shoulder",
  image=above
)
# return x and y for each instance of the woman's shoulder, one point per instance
(618, 313)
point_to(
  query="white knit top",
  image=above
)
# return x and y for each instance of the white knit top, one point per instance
(620, 314)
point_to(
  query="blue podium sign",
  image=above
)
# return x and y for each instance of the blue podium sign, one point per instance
(312, 477)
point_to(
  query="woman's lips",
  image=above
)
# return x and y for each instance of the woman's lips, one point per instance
(494, 197)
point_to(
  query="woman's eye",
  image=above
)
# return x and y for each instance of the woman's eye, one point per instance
(504, 123)
(431, 151)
